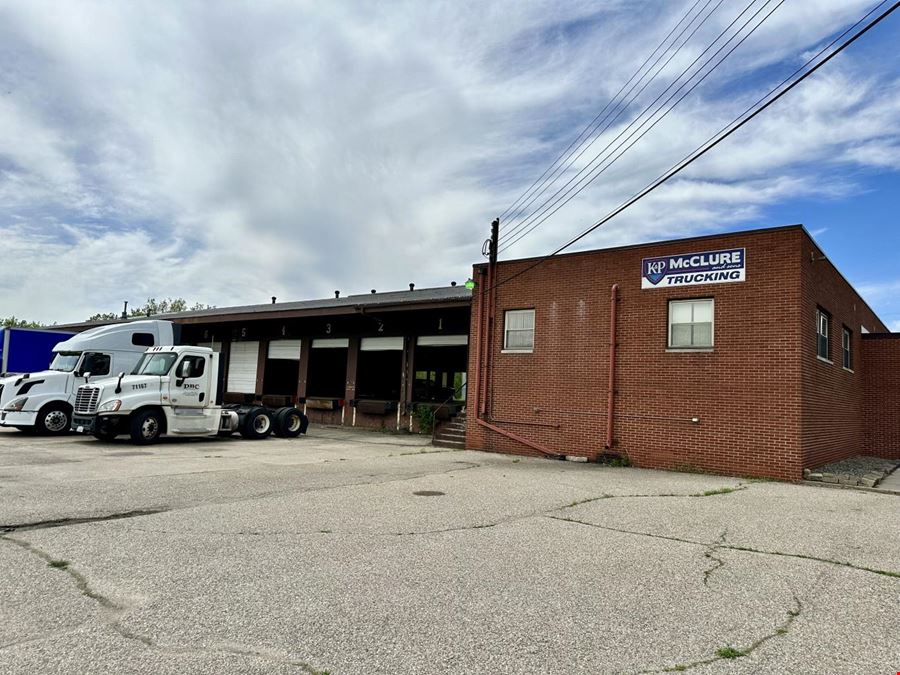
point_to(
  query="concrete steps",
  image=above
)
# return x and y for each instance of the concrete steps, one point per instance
(451, 434)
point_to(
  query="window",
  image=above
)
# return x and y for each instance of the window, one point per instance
(847, 344)
(822, 321)
(95, 364)
(191, 366)
(691, 324)
(155, 364)
(518, 335)
(142, 339)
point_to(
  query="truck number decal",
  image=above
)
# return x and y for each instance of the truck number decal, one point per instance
(139, 386)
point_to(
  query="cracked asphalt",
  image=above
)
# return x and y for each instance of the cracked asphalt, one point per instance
(316, 555)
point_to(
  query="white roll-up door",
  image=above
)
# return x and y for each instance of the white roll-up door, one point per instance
(330, 343)
(285, 349)
(442, 340)
(381, 344)
(242, 367)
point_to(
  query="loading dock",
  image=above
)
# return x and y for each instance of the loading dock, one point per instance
(361, 360)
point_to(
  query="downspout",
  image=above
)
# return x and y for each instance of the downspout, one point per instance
(479, 365)
(476, 390)
(611, 390)
(524, 441)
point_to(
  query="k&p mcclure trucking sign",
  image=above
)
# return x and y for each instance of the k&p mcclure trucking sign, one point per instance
(692, 269)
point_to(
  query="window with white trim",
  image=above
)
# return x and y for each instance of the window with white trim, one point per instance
(847, 348)
(518, 332)
(691, 324)
(822, 321)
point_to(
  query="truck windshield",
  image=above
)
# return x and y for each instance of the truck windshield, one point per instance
(65, 362)
(155, 364)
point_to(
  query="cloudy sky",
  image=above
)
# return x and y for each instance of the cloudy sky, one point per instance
(227, 152)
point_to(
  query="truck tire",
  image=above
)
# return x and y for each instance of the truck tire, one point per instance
(54, 419)
(257, 423)
(289, 422)
(146, 427)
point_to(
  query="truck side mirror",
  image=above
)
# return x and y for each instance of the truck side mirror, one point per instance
(87, 377)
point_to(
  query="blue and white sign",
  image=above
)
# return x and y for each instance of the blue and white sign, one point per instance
(693, 269)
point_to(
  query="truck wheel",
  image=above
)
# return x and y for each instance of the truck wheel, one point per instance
(53, 420)
(146, 427)
(257, 424)
(289, 423)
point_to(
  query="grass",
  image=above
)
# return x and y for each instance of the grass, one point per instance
(729, 652)
(719, 491)
(58, 564)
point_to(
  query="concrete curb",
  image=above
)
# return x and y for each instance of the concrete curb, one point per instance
(861, 488)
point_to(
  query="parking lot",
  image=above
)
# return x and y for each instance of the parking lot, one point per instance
(349, 552)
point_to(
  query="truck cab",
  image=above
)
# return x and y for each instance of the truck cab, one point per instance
(43, 401)
(176, 391)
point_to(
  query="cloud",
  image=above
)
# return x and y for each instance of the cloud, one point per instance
(230, 153)
(884, 296)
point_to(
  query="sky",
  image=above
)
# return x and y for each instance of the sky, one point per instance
(230, 152)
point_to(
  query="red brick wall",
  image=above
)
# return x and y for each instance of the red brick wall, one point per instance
(746, 392)
(881, 394)
(833, 424)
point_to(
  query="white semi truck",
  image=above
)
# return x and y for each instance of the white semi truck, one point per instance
(175, 391)
(42, 402)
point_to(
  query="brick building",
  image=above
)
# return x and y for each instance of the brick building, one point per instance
(744, 353)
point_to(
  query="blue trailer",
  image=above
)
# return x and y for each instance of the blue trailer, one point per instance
(28, 350)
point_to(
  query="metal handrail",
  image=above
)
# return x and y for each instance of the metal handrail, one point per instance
(449, 398)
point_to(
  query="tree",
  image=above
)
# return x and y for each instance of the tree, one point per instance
(13, 322)
(153, 307)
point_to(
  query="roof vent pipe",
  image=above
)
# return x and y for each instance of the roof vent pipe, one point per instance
(337, 294)
(412, 287)
(273, 299)
(453, 283)
(373, 290)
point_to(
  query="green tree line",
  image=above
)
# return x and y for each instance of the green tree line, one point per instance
(152, 306)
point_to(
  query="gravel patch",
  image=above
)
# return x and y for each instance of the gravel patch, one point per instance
(862, 470)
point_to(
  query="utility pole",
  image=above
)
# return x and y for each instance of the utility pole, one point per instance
(495, 236)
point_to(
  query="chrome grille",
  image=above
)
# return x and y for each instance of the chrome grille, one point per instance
(86, 400)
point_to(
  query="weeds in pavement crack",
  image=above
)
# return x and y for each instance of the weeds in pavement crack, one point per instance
(729, 652)
(732, 547)
(710, 555)
(708, 493)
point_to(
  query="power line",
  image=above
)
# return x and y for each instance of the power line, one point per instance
(591, 129)
(595, 170)
(718, 138)
(590, 124)
(558, 174)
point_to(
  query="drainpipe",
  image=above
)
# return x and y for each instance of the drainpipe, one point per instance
(524, 441)
(479, 331)
(611, 391)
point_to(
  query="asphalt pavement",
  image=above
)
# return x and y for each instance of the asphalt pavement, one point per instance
(362, 552)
